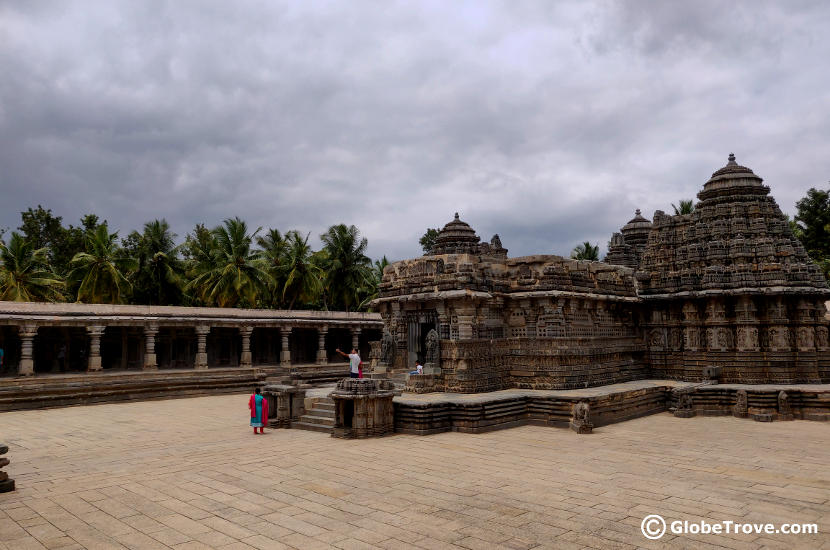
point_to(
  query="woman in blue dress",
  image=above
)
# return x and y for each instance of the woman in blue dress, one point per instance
(259, 411)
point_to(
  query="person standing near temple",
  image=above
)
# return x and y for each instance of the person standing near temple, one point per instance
(354, 362)
(259, 411)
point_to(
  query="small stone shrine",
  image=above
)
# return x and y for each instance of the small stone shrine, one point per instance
(286, 403)
(363, 408)
(6, 484)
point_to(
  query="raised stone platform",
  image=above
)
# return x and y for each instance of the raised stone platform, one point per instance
(59, 390)
(763, 402)
(430, 413)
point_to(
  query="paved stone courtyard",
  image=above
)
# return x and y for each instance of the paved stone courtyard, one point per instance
(189, 474)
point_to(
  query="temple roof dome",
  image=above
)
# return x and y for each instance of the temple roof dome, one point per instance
(637, 222)
(457, 237)
(733, 178)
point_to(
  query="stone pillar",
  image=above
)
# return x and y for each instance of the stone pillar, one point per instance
(322, 356)
(356, 338)
(691, 329)
(150, 332)
(201, 347)
(718, 335)
(27, 335)
(747, 321)
(465, 322)
(245, 332)
(778, 331)
(805, 334)
(95, 332)
(285, 351)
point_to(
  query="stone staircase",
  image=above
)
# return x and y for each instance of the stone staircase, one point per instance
(320, 418)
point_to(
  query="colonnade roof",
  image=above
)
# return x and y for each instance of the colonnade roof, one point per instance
(45, 311)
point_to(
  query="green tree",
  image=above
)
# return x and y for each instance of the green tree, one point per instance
(232, 274)
(686, 207)
(275, 254)
(302, 274)
(371, 290)
(814, 219)
(159, 277)
(347, 268)
(25, 275)
(794, 227)
(43, 229)
(586, 251)
(99, 273)
(427, 241)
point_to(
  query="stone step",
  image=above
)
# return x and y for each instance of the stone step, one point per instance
(320, 420)
(327, 405)
(321, 412)
(311, 427)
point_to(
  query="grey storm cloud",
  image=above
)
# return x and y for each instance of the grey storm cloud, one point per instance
(547, 123)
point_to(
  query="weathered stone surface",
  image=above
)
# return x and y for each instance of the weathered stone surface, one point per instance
(363, 408)
(6, 484)
(285, 404)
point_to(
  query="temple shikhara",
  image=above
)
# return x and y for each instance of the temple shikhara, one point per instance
(726, 293)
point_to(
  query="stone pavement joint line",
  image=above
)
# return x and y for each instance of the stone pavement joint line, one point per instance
(189, 474)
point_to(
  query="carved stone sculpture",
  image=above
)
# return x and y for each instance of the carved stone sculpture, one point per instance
(581, 418)
(6, 484)
(785, 411)
(433, 348)
(684, 407)
(387, 348)
(741, 409)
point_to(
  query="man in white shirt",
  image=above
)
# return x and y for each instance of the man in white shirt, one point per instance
(354, 362)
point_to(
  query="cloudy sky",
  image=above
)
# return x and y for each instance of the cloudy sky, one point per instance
(547, 122)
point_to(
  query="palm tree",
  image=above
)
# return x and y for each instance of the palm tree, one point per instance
(25, 275)
(586, 251)
(372, 288)
(231, 273)
(686, 207)
(159, 277)
(347, 266)
(302, 274)
(275, 252)
(98, 273)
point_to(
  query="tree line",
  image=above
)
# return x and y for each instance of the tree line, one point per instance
(229, 265)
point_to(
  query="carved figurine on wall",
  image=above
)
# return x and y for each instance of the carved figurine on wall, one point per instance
(433, 358)
(387, 348)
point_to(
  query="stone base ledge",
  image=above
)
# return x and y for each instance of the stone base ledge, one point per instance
(82, 389)
(426, 414)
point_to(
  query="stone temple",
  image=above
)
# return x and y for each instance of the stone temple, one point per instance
(726, 293)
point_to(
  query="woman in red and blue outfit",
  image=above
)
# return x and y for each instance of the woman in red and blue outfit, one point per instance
(259, 411)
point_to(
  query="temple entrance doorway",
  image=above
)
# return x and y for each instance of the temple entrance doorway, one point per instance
(418, 326)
